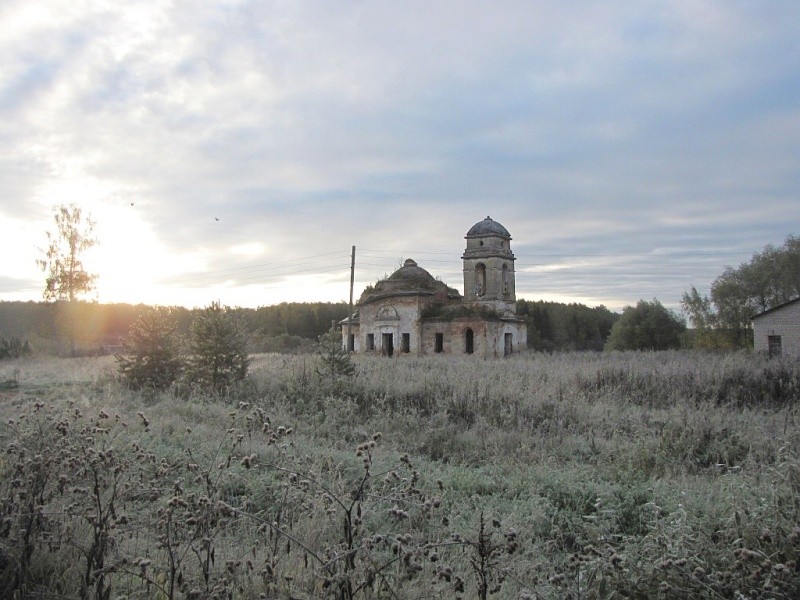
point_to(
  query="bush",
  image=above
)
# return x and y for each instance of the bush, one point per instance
(646, 326)
(151, 359)
(283, 343)
(336, 362)
(217, 350)
(13, 348)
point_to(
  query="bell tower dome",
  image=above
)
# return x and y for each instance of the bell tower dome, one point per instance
(489, 266)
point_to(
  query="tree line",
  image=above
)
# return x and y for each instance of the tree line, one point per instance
(555, 326)
(95, 327)
(285, 327)
(723, 319)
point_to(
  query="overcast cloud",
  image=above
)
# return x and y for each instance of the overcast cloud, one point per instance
(235, 150)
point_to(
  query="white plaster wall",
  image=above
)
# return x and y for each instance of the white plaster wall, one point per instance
(354, 330)
(407, 321)
(784, 322)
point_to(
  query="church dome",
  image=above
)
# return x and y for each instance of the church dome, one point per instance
(413, 275)
(409, 279)
(488, 227)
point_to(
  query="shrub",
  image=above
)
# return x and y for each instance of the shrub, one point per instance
(646, 326)
(217, 350)
(336, 362)
(13, 348)
(283, 343)
(151, 359)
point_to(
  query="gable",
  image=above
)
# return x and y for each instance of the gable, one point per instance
(793, 306)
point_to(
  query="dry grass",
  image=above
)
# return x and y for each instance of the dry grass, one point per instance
(665, 475)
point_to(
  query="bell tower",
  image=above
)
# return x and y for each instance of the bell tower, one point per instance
(489, 267)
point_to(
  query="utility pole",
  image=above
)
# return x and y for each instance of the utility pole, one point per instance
(350, 308)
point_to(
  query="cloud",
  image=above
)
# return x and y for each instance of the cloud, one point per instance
(593, 129)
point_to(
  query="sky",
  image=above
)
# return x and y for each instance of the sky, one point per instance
(235, 151)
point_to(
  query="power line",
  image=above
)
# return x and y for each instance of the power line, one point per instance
(386, 260)
(257, 277)
(263, 267)
(518, 256)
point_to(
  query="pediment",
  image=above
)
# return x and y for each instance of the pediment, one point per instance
(387, 313)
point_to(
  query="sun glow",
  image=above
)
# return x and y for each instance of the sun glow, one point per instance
(129, 260)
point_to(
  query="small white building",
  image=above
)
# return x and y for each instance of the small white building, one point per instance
(776, 331)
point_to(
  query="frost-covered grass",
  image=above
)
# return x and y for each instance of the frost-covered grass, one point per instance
(666, 475)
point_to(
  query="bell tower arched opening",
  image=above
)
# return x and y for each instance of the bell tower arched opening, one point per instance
(480, 280)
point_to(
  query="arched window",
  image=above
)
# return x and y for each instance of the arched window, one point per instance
(469, 341)
(506, 280)
(480, 279)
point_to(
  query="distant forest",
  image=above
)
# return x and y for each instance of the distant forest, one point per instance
(553, 326)
(286, 327)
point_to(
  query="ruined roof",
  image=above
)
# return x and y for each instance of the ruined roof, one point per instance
(488, 227)
(413, 274)
(410, 279)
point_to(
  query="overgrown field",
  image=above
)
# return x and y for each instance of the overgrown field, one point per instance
(661, 475)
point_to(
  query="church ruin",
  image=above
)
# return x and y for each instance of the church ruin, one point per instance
(411, 312)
